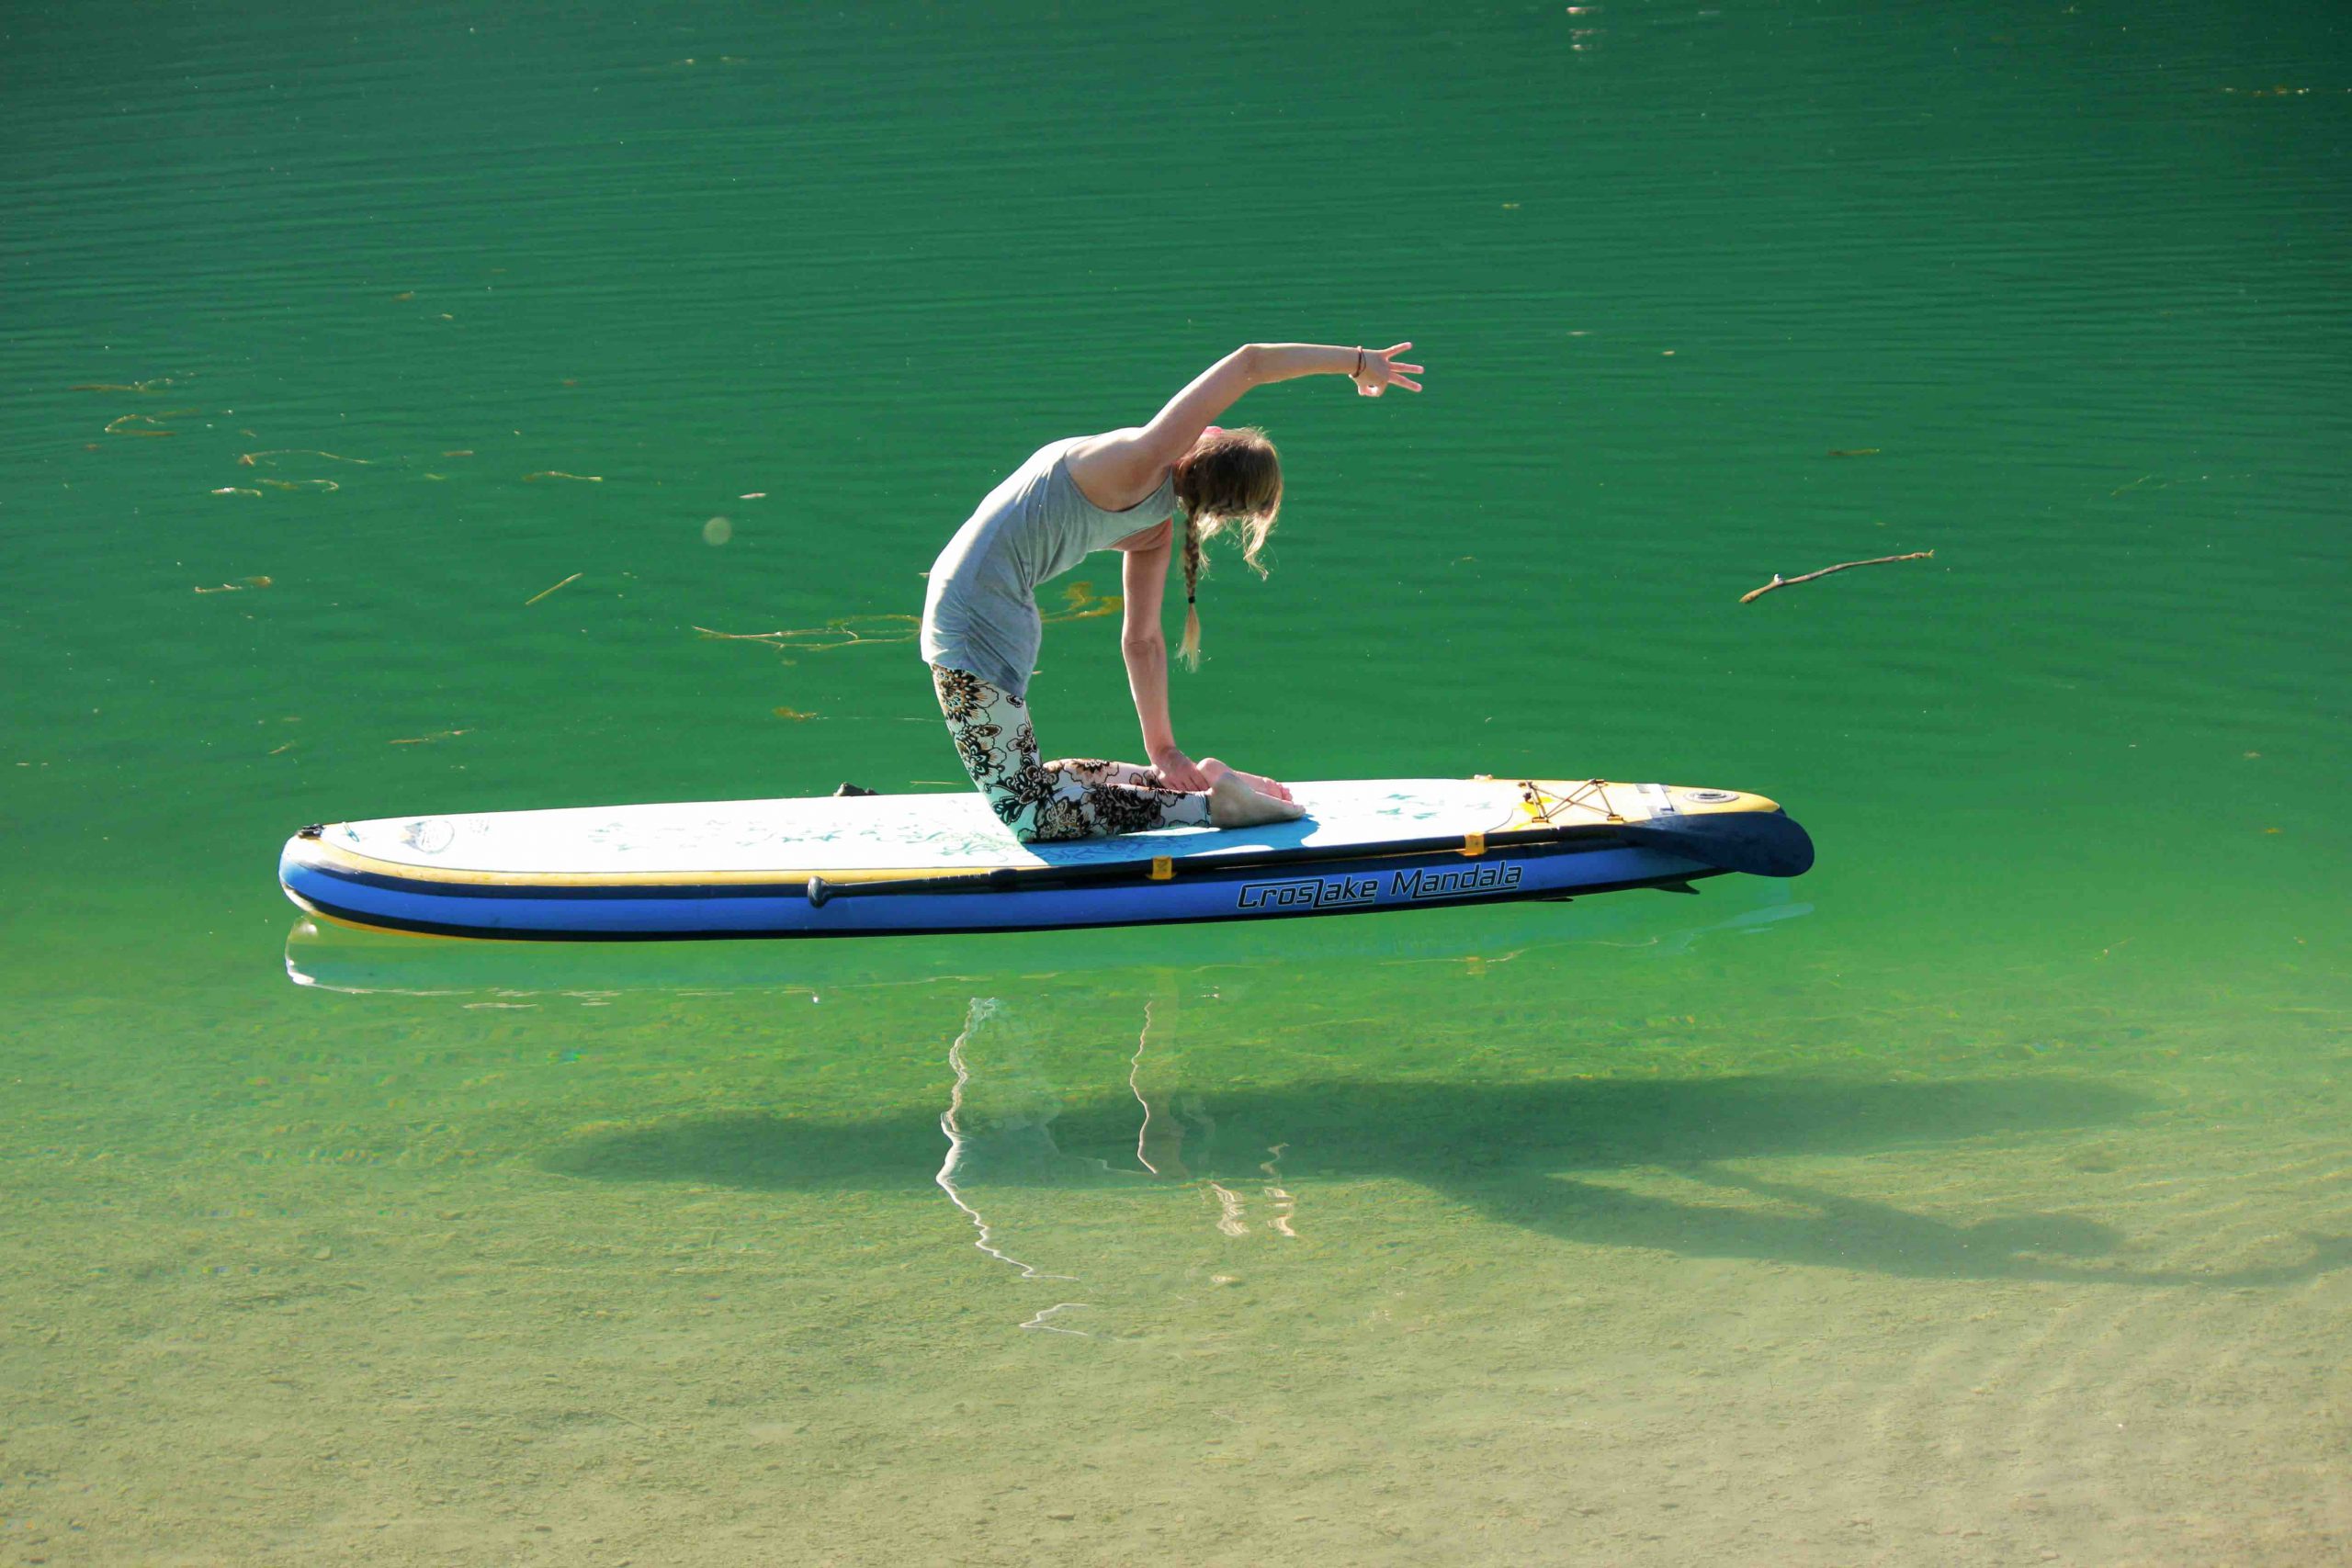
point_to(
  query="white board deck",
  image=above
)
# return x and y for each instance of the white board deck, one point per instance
(943, 832)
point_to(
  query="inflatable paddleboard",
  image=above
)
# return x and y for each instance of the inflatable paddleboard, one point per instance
(907, 864)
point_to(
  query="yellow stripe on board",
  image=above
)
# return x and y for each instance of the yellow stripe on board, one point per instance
(315, 913)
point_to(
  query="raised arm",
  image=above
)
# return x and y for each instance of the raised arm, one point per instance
(1120, 467)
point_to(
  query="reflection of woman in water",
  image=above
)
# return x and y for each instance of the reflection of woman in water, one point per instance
(1117, 491)
(1006, 1171)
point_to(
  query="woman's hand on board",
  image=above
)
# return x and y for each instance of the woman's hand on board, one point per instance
(1379, 369)
(1179, 771)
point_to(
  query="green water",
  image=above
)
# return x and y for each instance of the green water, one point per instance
(1978, 1198)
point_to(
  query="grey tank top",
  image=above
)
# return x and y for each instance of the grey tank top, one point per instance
(981, 612)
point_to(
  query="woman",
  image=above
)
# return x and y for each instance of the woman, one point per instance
(1117, 491)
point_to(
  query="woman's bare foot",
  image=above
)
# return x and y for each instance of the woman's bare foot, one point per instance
(1233, 804)
(1264, 784)
(1258, 781)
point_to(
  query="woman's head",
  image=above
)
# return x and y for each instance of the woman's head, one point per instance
(1231, 480)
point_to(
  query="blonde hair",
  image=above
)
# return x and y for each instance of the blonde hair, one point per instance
(1231, 480)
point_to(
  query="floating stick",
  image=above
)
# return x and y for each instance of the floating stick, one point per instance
(559, 474)
(544, 591)
(1779, 581)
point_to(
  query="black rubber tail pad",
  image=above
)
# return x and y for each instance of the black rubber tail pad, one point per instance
(1762, 843)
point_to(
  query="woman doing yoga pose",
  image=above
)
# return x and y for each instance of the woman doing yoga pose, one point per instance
(1122, 490)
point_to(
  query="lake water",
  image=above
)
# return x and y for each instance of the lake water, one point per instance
(1980, 1198)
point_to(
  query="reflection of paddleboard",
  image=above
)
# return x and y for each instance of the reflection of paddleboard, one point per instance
(832, 866)
(358, 960)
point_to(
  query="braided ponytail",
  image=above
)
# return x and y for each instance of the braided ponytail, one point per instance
(1190, 648)
(1231, 478)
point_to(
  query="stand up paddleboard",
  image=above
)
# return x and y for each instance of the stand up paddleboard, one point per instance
(906, 864)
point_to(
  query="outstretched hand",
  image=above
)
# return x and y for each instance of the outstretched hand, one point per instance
(1381, 371)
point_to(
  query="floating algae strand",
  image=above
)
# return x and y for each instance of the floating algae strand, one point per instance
(255, 459)
(839, 633)
(239, 586)
(268, 459)
(115, 426)
(1079, 602)
(153, 384)
(559, 474)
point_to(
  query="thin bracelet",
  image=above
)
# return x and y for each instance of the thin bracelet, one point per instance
(1359, 369)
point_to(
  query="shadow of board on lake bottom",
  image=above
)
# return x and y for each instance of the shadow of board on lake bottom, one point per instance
(1512, 1152)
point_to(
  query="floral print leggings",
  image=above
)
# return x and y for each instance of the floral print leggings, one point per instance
(1072, 798)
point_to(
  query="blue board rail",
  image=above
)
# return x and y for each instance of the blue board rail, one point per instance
(1553, 862)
